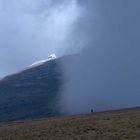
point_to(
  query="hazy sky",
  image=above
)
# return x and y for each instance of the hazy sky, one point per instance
(106, 74)
(30, 30)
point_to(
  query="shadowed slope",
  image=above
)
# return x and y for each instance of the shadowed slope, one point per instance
(31, 93)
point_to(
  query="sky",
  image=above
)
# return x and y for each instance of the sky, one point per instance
(105, 74)
(30, 30)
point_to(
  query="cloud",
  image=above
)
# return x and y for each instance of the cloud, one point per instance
(32, 29)
(106, 74)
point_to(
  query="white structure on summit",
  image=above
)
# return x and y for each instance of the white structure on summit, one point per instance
(52, 56)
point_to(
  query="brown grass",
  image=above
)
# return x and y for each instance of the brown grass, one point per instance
(114, 125)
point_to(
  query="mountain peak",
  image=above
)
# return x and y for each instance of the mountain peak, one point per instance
(40, 62)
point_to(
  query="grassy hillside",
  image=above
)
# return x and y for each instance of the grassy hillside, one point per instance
(32, 93)
(113, 125)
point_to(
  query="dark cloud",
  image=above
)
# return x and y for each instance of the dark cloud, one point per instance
(106, 74)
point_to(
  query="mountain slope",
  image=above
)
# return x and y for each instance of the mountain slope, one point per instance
(31, 93)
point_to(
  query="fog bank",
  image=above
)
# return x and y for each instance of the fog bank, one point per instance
(106, 74)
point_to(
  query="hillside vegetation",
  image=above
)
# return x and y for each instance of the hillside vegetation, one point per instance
(112, 125)
(31, 93)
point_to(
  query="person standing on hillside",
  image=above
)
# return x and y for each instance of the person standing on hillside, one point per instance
(91, 110)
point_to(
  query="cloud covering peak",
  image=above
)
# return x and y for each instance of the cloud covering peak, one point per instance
(35, 29)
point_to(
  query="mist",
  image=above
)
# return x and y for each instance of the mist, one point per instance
(105, 75)
(30, 30)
